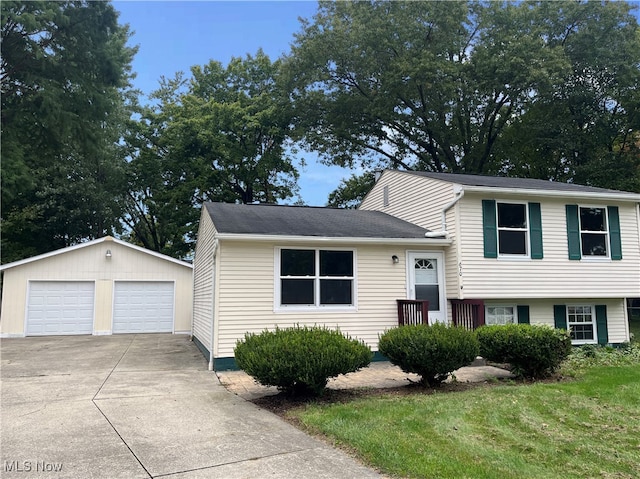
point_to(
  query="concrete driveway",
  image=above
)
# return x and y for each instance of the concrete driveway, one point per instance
(140, 406)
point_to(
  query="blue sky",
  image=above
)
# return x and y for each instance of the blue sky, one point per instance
(173, 36)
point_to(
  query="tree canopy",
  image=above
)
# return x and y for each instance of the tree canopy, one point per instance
(64, 69)
(540, 89)
(222, 136)
(525, 88)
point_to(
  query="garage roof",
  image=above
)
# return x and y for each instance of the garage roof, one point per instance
(93, 242)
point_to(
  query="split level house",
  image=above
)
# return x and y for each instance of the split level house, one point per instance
(460, 249)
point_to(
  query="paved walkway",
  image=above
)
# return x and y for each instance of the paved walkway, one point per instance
(378, 375)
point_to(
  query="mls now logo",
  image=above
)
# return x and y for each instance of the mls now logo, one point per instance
(32, 466)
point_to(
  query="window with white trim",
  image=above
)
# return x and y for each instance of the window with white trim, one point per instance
(316, 278)
(594, 232)
(581, 322)
(513, 232)
(500, 314)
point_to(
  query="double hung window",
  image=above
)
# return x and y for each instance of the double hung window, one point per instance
(594, 235)
(581, 322)
(513, 234)
(593, 232)
(512, 229)
(316, 278)
(587, 324)
(500, 315)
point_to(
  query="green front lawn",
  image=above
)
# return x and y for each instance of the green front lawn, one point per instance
(585, 428)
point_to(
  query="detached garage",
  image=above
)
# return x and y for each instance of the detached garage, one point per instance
(105, 286)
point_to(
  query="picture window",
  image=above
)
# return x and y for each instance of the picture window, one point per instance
(316, 278)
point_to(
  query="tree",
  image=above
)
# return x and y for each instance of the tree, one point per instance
(587, 130)
(352, 191)
(223, 139)
(65, 67)
(443, 86)
(152, 215)
(247, 117)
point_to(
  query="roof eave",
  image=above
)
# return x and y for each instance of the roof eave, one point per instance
(334, 239)
(617, 196)
(89, 243)
(51, 254)
(153, 253)
(625, 197)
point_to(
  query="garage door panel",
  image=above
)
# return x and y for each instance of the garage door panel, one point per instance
(60, 308)
(55, 300)
(143, 307)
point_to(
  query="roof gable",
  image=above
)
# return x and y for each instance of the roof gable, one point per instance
(279, 220)
(90, 243)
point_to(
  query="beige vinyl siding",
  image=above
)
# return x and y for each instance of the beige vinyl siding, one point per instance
(412, 198)
(541, 312)
(555, 276)
(103, 306)
(420, 200)
(14, 297)
(247, 285)
(90, 264)
(203, 281)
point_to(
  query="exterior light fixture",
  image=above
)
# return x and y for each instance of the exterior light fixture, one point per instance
(108, 254)
(395, 259)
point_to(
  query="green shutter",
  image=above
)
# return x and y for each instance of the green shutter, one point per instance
(614, 233)
(573, 232)
(535, 230)
(560, 316)
(601, 324)
(490, 231)
(523, 314)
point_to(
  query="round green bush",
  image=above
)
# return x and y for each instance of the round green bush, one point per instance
(433, 352)
(532, 351)
(300, 360)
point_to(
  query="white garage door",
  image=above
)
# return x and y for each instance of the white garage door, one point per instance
(60, 307)
(143, 307)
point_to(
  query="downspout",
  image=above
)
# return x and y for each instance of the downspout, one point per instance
(459, 195)
(626, 300)
(213, 300)
(443, 232)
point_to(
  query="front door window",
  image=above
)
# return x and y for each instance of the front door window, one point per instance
(426, 279)
(426, 282)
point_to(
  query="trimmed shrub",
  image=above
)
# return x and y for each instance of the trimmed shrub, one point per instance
(532, 351)
(433, 352)
(300, 360)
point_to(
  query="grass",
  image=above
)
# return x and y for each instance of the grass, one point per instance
(585, 428)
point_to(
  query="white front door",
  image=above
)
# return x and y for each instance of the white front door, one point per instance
(425, 280)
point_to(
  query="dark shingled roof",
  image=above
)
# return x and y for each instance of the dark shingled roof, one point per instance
(520, 183)
(308, 221)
